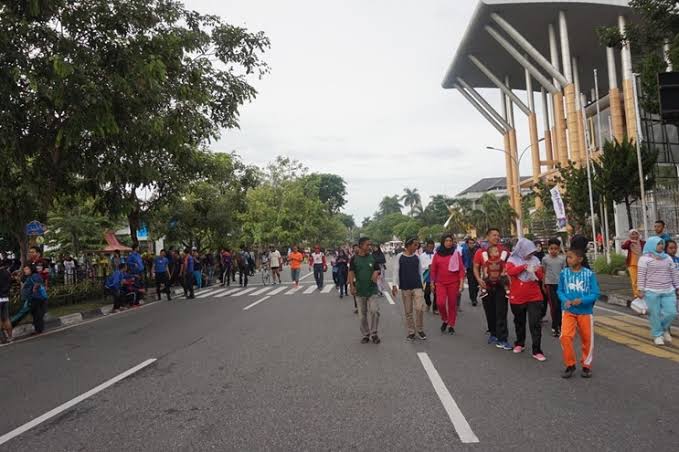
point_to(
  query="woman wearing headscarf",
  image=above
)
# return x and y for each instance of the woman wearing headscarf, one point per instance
(658, 284)
(447, 280)
(525, 296)
(634, 246)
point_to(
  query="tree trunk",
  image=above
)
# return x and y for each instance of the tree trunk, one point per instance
(133, 221)
(629, 212)
(23, 246)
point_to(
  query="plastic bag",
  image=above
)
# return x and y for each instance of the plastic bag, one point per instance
(639, 306)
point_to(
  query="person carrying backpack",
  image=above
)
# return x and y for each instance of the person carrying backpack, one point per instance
(5, 285)
(34, 297)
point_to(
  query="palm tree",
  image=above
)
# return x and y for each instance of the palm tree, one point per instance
(389, 205)
(412, 199)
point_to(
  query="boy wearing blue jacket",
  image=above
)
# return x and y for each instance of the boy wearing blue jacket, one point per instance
(578, 291)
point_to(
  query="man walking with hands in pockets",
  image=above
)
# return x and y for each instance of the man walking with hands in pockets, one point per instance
(407, 279)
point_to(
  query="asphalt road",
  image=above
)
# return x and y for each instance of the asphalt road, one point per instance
(290, 374)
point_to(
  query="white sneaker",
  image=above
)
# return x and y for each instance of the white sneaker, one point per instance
(667, 337)
(659, 341)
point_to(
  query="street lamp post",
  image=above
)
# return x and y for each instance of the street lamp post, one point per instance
(519, 225)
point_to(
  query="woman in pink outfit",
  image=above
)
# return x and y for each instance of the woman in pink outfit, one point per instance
(447, 276)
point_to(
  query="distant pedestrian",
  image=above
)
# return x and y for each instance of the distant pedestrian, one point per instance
(525, 296)
(186, 274)
(468, 251)
(553, 263)
(295, 258)
(5, 287)
(114, 286)
(447, 279)
(578, 291)
(197, 269)
(342, 264)
(425, 272)
(318, 265)
(407, 279)
(243, 267)
(227, 264)
(658, 283)
(634, 246)
(661, 231)
(580, 242)
(161, 274)
(381, 261)
(363, 275)
(276, 264)
(34, 297)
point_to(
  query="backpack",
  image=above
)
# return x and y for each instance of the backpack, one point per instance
(42, 293)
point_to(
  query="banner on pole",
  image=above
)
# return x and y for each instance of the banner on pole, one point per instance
(559, 208)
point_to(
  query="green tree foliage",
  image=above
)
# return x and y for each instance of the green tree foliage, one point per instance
(74, 226)
(389, 205)
(575, 195)
(617, 172)
(383, 228)
(332, 191)
(117, 96)
(412, 199)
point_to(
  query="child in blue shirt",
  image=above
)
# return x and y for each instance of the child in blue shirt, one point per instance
(578, 291)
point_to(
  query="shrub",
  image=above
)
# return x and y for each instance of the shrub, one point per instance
(617, 264)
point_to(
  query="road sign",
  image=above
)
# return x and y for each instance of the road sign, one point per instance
(35, 228)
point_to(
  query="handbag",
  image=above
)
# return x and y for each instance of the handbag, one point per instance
(639, 306)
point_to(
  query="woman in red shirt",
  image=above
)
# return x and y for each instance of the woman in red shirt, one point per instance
(525, 297)
(447, 279)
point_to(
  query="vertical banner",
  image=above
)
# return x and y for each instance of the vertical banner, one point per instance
(559, 208)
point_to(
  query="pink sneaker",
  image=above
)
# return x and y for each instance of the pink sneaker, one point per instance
(540, 357)
(517, 349)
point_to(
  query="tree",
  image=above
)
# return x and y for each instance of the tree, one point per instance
(74, 226)
(106, 96)
(388, 206)
(411, 198)
(436, 212)
(383, 228)
(617, 173)
(407, 229)
(332, 190)
(576, 194)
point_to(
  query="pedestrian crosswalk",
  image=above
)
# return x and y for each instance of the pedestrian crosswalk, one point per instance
(221, 292)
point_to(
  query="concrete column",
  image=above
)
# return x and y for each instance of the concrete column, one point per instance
(499, 126)
(579, 107)
(628, 85)
(617, 117)
(534, 140)
(569, 90)
(516, 173)
(509, 173)
(560, 128)
(549, 155)
(556, 131)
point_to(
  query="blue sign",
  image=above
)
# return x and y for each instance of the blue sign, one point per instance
(143, 233)
(35, 228)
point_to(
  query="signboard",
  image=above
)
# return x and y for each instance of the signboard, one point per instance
(559, 208)
(143, 233)
(35, 228)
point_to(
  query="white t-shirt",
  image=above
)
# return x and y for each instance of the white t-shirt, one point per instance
(317, 257)
(275, 258)
(69, 267)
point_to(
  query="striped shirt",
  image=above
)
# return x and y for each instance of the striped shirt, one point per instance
(658, 275)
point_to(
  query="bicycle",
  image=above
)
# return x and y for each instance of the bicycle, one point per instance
(266, 276)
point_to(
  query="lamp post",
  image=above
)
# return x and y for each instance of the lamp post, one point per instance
(519, 225)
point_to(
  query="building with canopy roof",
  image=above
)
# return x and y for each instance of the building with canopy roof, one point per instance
(542, 56)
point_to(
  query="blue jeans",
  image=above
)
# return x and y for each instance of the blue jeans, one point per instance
(295, 274)
(198, 276)
(662, 310)
(318, 275)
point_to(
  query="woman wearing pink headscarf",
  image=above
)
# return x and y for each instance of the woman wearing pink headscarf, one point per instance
(634, 246)
(447, 280)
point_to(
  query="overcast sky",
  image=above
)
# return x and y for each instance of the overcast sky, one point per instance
(355, 89)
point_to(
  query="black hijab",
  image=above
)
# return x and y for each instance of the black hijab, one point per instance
(443, 251)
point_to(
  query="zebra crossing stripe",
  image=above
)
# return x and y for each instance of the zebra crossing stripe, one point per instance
(211, 293)
(260, 291)
(277, 291)
(293, 290)
(245, 291)
(309, 290)
(328, 288)
(230, 292)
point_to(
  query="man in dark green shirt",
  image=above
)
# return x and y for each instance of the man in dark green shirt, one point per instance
(363, 275)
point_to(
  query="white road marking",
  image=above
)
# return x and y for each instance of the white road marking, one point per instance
(293, 290)
(306, 276)
(256, 303)
(464, 431)
(387, 294)
(211, 293)
(309, 290)
(641, 321)
(260, 291)
(244, 291)
(328, 288)
(277, 291)
(61, 408)
(230, 292)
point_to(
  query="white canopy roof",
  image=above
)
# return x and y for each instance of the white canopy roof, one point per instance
(531, 18)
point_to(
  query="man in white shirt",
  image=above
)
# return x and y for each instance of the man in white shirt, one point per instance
(425, 262)
(275, 259)
(318, 265)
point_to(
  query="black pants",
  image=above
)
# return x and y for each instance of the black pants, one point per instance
(226, 276)
(162, 280)
(118, 298)
(428, 296)
(545, 303)
(318, 274)
(342, 280)
(533, 310)
(243, 277)
(495, 307)
(473, 286)
(38, 310)
(554, 305)
(188, 285)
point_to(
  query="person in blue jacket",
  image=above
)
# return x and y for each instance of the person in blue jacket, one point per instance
(578, 291)
(135, 263)
(114, 284)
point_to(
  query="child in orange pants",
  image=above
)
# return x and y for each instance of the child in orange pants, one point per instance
(578, 291)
